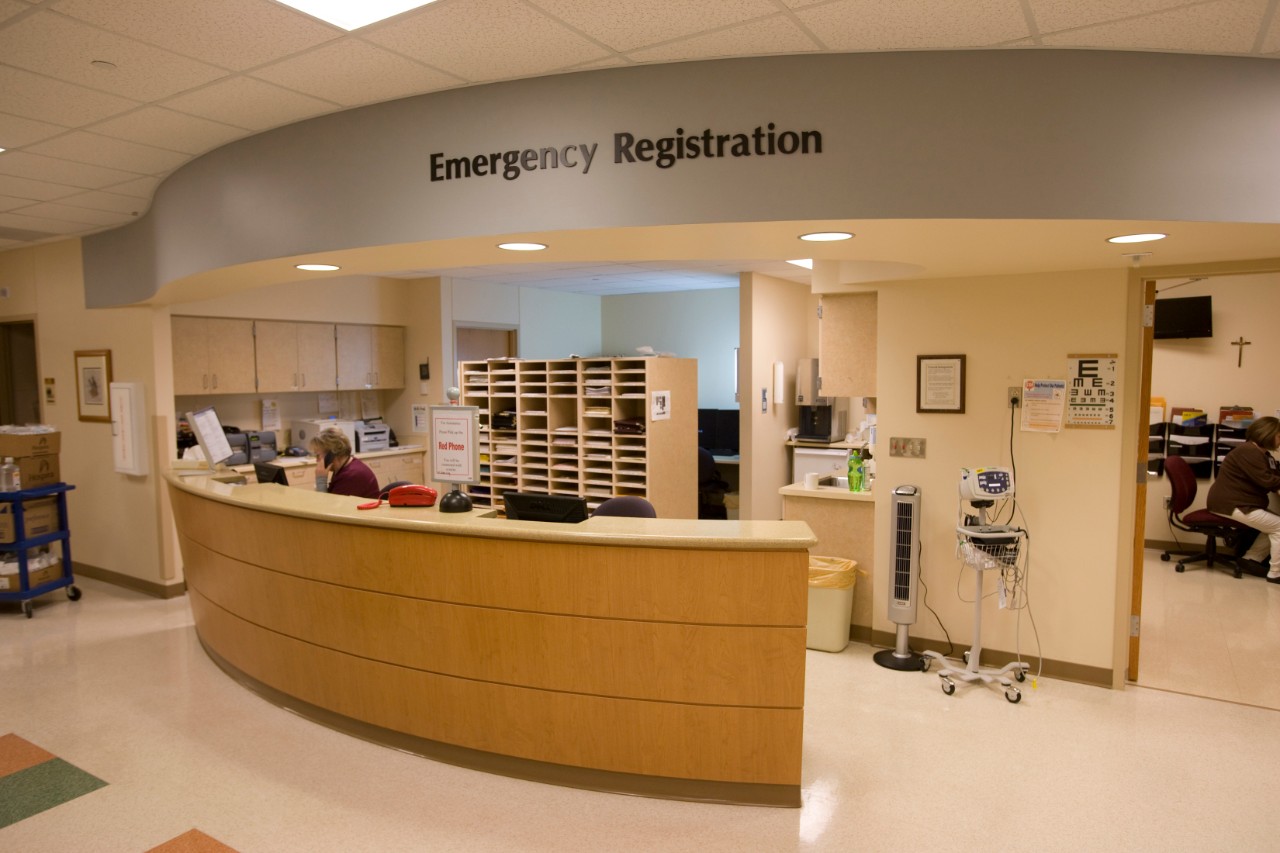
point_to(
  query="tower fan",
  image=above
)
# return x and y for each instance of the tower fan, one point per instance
(905, 518)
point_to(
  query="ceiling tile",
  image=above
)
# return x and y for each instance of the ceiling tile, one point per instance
(169, 129)
(1053, 15)
(34, 190)
(36, 97)
(16, 131)
(914, 24)
(655, 21)
(249, 103)
(11, 8)
(109, 201)
(70, 213)
(114, 153)
(37, 167)
(772, 35)
(368, 74)
(1229, 26)
(143, 188)
(64, 48)
(494, 40)
(237, 34)
(38, 223)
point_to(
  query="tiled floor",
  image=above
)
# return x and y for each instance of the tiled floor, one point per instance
(118, 685)
(1207, 633)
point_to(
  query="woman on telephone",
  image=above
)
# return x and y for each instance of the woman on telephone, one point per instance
(337, 471)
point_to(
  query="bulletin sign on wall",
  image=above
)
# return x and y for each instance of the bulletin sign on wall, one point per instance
(1091, 391)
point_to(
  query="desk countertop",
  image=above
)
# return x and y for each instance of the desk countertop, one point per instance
(631, 532)
(834, 493)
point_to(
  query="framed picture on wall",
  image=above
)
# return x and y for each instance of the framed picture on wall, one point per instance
(940, 383)
(93, 385)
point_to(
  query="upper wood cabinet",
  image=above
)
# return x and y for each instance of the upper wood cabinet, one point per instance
(847, 345)
(212, 355)
(370, 356)
(295, 356)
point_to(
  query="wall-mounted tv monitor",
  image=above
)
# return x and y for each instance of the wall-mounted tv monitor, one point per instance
(531, 506)
(718, 431)
(268, 473)
(1184, 317)
(210, 435)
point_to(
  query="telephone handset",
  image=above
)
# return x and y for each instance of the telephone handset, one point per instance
(328, 459)
(405, 496)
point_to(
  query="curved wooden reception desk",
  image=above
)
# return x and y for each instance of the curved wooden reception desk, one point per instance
(657, 657)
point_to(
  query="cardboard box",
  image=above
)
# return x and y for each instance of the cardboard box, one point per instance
(39, 517)
(11, 579)
(37, 471)
(36, 444)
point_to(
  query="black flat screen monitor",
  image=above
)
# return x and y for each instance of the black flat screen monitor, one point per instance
(531, 506)
(1184, 317)
(268, 473)
(718, 431)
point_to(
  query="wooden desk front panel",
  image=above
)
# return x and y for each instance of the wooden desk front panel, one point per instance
(668, 663)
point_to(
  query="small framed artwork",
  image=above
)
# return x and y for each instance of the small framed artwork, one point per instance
(93, 385)
(940, 384)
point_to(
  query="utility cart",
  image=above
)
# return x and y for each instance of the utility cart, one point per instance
(36, 520)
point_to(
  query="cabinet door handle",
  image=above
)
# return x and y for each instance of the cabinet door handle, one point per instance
(304, 380)
(295, 380)
(215, 381)
(204, 381)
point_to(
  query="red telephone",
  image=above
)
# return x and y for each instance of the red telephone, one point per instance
(405, 496)
(412, 496)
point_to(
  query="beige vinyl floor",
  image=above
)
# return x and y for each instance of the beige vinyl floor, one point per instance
(118, 685)
(1207, 633)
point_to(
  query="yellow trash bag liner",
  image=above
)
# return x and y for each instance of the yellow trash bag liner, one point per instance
(832, 572)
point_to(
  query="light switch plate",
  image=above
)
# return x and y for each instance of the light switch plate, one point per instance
(909, 448)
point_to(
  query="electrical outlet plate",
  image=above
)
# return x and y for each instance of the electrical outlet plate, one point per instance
(1014, 396)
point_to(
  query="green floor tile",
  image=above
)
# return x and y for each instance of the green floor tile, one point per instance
(41, 787)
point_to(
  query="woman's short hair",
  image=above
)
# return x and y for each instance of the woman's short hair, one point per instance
(332, 440)
(1263, 432)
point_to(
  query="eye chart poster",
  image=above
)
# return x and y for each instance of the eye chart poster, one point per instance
(1091, 391)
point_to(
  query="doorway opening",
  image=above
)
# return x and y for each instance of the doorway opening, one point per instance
(19, 379)
(477, 343)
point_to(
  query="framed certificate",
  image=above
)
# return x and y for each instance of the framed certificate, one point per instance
(940, 383)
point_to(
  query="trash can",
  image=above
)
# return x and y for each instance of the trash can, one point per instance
(831, 581)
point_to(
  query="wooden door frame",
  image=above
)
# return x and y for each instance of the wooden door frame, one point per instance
(1146, 280)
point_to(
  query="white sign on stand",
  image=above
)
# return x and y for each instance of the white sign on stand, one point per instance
(455, 452)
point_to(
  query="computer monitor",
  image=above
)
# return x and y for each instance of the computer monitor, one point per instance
(531, 506)
(718, 431)
(210, 436)
(268, 473)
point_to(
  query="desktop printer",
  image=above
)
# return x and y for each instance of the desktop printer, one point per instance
(372, 436)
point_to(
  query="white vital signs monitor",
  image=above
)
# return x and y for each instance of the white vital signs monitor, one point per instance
(985, 484)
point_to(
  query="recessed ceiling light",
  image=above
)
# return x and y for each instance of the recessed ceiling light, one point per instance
(353, 14)
(318, 267)
(1136, 238)
(807, 263)
(522, 247)
(826, 236)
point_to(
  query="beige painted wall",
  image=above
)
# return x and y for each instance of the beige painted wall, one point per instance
(775, 327)
(1069, 484)
(113, 518)
(1203, 372)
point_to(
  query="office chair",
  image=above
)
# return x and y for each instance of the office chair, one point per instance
(382, 493)
(711, 487)
(1182, 484)
(628, 506)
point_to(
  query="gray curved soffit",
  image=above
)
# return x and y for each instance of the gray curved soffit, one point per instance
(942, 135)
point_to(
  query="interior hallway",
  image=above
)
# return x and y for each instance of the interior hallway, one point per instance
(117, 685)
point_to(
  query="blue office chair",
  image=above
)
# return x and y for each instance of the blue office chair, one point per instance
(628, 506)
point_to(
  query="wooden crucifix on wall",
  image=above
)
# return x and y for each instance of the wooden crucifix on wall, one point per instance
(1242, 343)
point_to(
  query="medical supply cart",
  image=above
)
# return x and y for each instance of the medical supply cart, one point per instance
(23, 549)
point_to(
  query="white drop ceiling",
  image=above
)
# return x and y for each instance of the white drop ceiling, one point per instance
(100, 101)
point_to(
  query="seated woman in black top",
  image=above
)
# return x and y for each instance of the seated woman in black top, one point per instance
(1241, 491)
